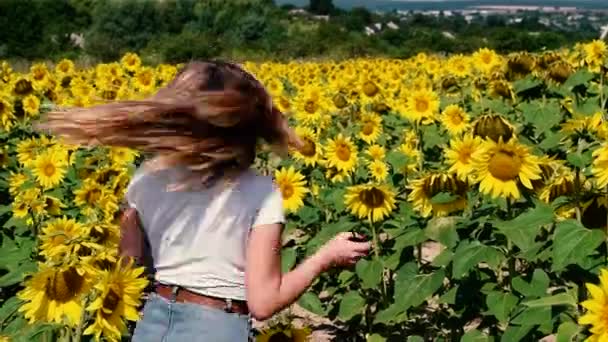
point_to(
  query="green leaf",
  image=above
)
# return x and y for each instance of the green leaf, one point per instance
(443, 197)
(351, 305)
(443, 230)
(525, 84)
(443, 259)
(9, 308)
(15, 223)
(397, 160)
(395, 313)
(18, 273)
(567, 331)
(334, 197)
(552, 140)
(450, 296)
(582, 76)
(370, 272)
(376, 338)
(5, 209)
(522, 230)
(588, 106)
(415, 339)
(533, 316)
(470, 254)
(329, 231)
(431, 137)
(579, 160)
(537, 287)
(516, 333)
(288, 259)
(308, 215)
(410, 237)
(310, 301)
(572, 243)
(559, 299)
(475, 336)
(405, 274)
(419, 289)
(501, 304)
(542, 117)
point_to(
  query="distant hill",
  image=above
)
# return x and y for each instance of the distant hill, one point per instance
(451, 4)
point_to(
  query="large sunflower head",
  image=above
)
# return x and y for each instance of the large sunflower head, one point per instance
(422, 106)
(341, 153)
(452, 194)
(521, 64)
(50, 168)
(371, 127)
(501, 167)
(454, 119)
(293, 188)
(54, 294)
(596, 306)
(59, 237)
(117, 299)
(494, 127)
(370, 201)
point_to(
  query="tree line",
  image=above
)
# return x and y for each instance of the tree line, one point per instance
(180, 30)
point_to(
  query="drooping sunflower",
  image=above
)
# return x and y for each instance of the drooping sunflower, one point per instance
(597, 308)
(563, 183)
(376, 152)
(454, 119)
(341, 153)
(600, 165)
(293, 188)
(118, 297)
(493, 127)
(54, 294)
(371, 127)
(311, 152)
(50, 168)
(422, 106)
(427, 187)
(378, 170)
(458, 156)
(284, 334)
(370, 201)
(500, 167)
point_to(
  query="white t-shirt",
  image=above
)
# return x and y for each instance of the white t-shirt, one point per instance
(198, 239)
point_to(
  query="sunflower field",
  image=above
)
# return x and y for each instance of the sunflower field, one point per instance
(481, 179)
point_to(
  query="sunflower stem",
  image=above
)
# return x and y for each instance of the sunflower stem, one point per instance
(577, 197)
(377, 256)
(511, 255)
(77, 336)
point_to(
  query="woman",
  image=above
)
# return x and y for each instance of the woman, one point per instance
(212, 225)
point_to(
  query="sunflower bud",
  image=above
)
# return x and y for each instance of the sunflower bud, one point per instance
(493, 127)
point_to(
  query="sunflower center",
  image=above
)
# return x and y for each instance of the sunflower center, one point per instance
(456, 117)
(111, 301)
(2, 107)
(311, 107)
(343, 152)
(101, 234)
(505, 165)
(23, 87)
(63, 286)
(280, 337)
(49, 170)
(93, 196)
(422, 105)
(287, 190)
(486, 58)
(368, 128)
(309, 149)
(284, 103)
(464, 155)
(370, 89)
(339, 101)
(373, 198)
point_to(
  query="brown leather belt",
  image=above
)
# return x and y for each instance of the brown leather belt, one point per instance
(185, 296)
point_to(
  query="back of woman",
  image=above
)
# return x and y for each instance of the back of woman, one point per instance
(213, 225)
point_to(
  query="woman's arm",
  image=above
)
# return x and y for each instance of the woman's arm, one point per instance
(268, 290)
(131, 237)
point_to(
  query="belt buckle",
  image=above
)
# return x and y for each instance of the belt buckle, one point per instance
(228, 307)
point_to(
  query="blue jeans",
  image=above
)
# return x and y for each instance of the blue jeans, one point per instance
(168, 321)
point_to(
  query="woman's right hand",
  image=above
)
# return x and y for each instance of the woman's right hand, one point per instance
(345, 249)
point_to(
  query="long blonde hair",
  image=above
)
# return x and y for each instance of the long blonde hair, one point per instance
(208, 118)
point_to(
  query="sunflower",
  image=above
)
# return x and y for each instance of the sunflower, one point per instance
(426, 188)
(337, 176)
(376, 152)
(341, 153)
(370, 201)
(501, 166)
(459, 66)
(458, 156)
(454, 119)
(371, 127)
(65, 67)
(54, 294)
(31, 105)
(595, 53)
(119, 294)
(293, 188)
(58, 236)
(121, 156)
(493, 127)
(600, 165)
(130, 62)
(284, 334)
(310, 153)
(40, 76)
(502, 89)
(486, 60)
(310, 106)
(378, 170)
(563, 183)
(89, 194)
(144, 80)
(50, 168)
(5, 156)
(422, 106)
(597, 308)
(7, 115)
